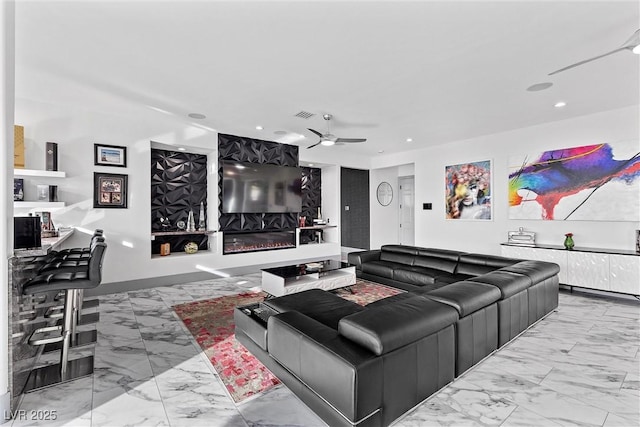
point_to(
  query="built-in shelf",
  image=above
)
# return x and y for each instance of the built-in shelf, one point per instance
(39, 173)
(37, 204)
(318, 227)
(182, 254)
(180, 233)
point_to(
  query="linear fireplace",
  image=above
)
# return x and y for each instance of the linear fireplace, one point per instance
(253, 241)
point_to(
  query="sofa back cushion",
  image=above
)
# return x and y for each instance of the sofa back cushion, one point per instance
(400, 254)
(439, 259)
(477, 264)
(466, 297)
(384, 328)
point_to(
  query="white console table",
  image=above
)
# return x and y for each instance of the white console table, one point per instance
(603, 269)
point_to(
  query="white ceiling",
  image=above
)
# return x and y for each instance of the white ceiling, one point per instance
(432, 71)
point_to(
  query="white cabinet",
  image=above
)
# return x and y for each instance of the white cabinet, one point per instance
(593, 269)
(588, 270)
(549, 255)
(624, 273)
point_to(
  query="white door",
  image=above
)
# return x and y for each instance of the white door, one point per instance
(407, 207)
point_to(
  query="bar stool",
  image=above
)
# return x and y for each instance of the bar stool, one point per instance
(71, 283)
(70, 262)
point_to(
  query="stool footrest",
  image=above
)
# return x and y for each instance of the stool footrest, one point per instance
(54, 312)
(82, 338)
(50, 375)
(46, 336)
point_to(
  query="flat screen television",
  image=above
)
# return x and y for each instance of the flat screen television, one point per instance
(260, 188)
(26, 232)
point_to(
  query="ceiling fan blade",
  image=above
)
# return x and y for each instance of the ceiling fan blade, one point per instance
(316, 132)
(350, 140)
(311, 146)
(589, 60)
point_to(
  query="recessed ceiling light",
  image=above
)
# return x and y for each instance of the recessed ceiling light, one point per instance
(182, 149)
(259, 127)
(539, 86)
(409, 139)
(197, 116)
(380, 151)
(310, 164)
(560, 104)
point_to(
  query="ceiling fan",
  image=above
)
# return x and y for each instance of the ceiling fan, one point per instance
(330, 139)
(633, 44)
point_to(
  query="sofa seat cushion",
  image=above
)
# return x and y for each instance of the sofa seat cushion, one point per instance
(508, 282)
(466, 297)
(389, 300)
(381, 268)
(446, 279)
(385, 328)
(537, 271)
(477, 264)
(322, 306)
(416, 275)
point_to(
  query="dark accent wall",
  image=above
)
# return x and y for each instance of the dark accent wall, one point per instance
(178, 184)
(242, 149)
(311, 199)
(354, 192)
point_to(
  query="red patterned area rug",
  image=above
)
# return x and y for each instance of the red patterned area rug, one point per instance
(211, 324)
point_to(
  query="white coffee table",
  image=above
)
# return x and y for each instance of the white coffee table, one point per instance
(325, 274)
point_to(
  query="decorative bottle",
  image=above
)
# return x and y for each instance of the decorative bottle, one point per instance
(201, 222)
(191, 224)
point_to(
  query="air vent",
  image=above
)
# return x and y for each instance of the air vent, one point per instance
(304, 114)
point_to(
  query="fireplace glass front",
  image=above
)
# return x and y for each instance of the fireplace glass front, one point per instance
(240, 242)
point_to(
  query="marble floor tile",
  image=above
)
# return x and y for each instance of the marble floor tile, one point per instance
(546, 402)
(580, 365)
(266, 410)
(435, 412)
(135, 403)
(521, 417)
(70, 403)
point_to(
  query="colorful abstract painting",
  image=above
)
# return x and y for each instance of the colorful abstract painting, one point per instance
(594, 182)
(468, 191)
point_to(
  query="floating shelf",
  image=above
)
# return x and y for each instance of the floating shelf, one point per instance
(39, 173)
(36, 204)
(180, 233)
(182, 254)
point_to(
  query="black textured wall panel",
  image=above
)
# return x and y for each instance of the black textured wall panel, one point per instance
(178, 184)
(242, 149)
(354, 192)
(311, 199)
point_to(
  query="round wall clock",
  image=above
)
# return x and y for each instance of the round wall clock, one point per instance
(384, 193)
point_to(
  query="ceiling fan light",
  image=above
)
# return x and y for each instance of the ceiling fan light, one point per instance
(327, 142)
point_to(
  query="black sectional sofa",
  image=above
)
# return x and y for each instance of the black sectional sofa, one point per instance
(367, 366)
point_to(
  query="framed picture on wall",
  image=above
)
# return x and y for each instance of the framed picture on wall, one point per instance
(110, 155)
(109, 190)
(468, 191)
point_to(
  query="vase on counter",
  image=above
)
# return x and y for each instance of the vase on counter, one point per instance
(568, 241)
(191, 224)
(201, 221)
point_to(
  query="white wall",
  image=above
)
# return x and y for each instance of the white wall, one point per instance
(128, 230)
(385, 220)
(434, 231)
(7, 76)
